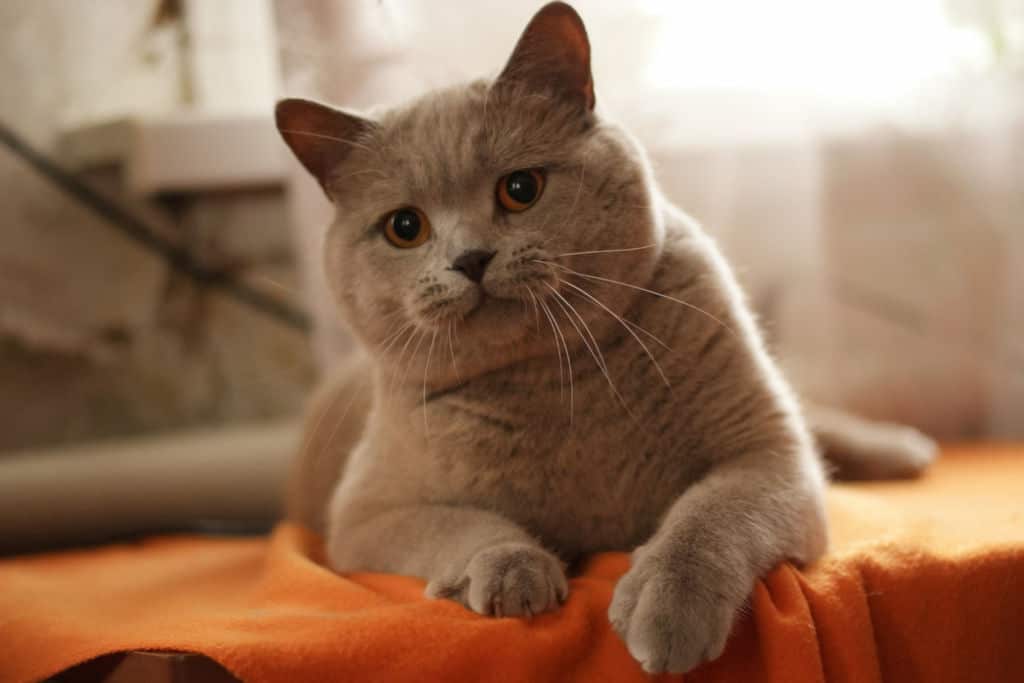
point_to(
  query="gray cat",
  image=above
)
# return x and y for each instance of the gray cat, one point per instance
(555, 361)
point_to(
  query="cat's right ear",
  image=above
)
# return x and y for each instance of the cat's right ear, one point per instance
(319, 136)
(553, 56)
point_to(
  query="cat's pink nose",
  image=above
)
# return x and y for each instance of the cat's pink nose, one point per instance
(473, 263)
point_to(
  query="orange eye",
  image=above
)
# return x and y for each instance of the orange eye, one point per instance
(407, 228)
(520, 190)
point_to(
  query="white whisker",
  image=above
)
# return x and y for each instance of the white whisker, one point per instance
(275, 283)
(616, 316)
(344, 414)
(589, 337)
(595, 351)
(367, 171)
(639, 289)
(579, 187)
(649, 334)
(389, 340)
(392, 384)
(606, 251)
(556, 333)
(426, 370)
(568, 360)
(536, 309)
(412, 356)
(451, 349)
(319, 422)
(309, 133)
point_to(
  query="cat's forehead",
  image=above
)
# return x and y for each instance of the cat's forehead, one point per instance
(460, 137)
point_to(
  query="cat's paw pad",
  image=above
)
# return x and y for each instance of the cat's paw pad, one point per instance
(666, 627)
(507, 580)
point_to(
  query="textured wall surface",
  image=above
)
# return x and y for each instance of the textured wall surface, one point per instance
(97, 336)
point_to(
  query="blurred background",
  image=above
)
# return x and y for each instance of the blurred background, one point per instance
(162, 313)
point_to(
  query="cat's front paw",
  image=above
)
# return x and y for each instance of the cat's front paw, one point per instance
(506, 580)
(671, 618)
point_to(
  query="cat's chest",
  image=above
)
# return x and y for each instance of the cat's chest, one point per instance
(592, 479)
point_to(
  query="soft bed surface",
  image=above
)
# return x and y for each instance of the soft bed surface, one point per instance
(924, 582)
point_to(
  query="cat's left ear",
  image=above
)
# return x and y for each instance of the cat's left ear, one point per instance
(553, 56)
(320, 136)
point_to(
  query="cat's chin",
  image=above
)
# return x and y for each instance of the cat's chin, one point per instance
(496, 321)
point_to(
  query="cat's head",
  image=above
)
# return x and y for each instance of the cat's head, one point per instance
(465, 211)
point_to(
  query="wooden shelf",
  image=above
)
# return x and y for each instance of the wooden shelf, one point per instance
(186, 152)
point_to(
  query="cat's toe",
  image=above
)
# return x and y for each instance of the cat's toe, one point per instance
(514, 580)
(509, 580)
(666, 628)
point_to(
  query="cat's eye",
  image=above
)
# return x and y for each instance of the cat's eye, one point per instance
(520, 190)
(407, 228)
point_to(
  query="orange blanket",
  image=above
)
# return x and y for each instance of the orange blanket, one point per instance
(925, 582)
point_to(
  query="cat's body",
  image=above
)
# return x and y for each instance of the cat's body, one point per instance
(622, 463)
(543, 379)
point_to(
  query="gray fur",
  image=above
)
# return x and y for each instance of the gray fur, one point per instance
(477, 464)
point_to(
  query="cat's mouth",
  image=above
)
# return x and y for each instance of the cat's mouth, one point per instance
(499, 308)
(488, 303)
(484, 310)
(495, 321)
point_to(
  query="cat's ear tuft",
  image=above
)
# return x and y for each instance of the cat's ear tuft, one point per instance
(319, 136)
(553, 56)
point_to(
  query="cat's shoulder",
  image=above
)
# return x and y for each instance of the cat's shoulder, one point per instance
(685, 247)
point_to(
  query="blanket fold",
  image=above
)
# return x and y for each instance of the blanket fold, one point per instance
(924, 582)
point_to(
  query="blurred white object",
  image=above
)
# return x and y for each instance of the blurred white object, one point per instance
(162, 483)
(185, 152)
(231, 55)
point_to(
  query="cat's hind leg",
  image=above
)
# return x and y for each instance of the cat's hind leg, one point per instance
(334, 423)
